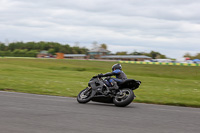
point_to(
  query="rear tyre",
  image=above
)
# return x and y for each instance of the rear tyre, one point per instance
(125, 99)
(84, 95)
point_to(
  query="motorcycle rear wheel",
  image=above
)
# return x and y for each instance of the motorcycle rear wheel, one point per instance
(84, 95)
(125, 99)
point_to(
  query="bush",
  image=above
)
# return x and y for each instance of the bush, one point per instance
(20, 53)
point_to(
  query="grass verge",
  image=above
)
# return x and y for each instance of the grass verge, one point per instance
(171, 85)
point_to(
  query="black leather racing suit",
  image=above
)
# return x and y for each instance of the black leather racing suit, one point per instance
(120, 76)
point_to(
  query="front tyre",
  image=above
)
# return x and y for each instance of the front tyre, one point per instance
(125, 99)
(84, 95)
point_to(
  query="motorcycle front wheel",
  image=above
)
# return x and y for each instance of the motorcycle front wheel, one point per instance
(84, 95)
(124, 99)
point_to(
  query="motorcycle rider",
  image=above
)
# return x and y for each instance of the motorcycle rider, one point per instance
(120, 76)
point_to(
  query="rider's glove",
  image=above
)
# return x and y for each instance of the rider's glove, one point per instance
(94, 76)
(100, 75)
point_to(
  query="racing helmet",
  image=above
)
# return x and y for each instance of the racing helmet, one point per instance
(116, 66)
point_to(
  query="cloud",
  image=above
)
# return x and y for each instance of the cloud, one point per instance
(170, 26)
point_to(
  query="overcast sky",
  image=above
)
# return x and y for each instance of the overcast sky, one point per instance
(171, 27)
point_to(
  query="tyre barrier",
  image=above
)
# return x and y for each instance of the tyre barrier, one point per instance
(160, 63)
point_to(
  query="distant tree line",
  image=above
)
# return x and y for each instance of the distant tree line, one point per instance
(197, 56)
(31, 49)
(152, 54)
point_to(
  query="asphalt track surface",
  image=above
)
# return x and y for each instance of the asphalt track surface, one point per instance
(30, 113)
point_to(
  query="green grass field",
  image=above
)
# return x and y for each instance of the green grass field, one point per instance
(171, 85)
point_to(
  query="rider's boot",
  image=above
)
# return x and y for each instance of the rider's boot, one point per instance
(114, 86)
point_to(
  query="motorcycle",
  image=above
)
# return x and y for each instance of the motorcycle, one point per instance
(98, 91)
